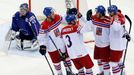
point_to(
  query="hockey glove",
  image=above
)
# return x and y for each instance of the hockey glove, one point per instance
(127, 36)
(42, 50)
(89, 15)
(79, 15)
(72, 11)
(63, 56)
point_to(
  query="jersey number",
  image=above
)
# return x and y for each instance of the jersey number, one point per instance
(69, 40)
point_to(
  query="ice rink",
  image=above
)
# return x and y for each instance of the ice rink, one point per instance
(16, 62)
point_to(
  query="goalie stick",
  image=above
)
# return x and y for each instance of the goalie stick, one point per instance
(8, 38)
(125, 53)
(68, 4)
(9, 44)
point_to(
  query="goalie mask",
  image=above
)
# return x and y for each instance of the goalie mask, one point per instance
(23, 9)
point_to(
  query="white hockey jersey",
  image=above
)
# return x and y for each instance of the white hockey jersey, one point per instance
(117, 42)
(52, 29)
(73, 39)
(101, 30)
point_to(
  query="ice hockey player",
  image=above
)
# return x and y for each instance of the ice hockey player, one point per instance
(51, 26)
(73, 39)
(28, 27)
(117, 38)
(100, 24)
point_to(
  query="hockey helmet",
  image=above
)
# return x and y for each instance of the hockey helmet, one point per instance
(48, 11)
(101, 9)
(70, 18)
(113, 8)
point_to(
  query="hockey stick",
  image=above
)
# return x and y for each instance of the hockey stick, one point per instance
(44, 55)
(9, 44)
(78, 8)
(60, 54)
(110, 3)
(49, 64)
(124, 58)
(7, 38)
(132, 39)
(68, 4)
(127, 31)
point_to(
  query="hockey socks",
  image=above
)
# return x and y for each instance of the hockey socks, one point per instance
(58, 68)
(81, 71)
(115, 68)
(67, 64)
(89, 72)
(100, 64)
(122, 67)
(106, 68)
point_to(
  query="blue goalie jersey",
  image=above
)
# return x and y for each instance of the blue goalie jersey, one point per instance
(26, 25)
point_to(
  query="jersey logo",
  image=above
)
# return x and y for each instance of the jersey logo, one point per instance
(99, 31)
(57, 32)
(26, 19)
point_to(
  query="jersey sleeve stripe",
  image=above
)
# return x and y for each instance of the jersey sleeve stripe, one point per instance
(101, 24)
(55, 25)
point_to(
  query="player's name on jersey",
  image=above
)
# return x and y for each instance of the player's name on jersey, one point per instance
(67, 30)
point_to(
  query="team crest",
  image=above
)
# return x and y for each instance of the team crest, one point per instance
(98, 31)
(57, 32)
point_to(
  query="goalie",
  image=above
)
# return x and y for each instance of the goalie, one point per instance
(24, 29)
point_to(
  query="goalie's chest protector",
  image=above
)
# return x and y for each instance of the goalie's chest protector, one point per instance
(74, 42)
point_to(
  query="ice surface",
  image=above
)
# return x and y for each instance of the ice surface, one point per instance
(16, 62)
